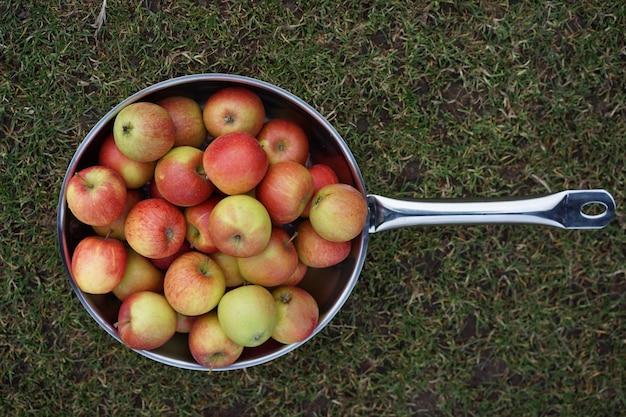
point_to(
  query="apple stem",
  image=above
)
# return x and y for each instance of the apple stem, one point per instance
(237, 243)
(291, 239)
(84, 180)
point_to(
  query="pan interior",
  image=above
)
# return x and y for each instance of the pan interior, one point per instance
(330, 286)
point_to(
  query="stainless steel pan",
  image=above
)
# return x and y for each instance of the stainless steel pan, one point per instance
(332, 286)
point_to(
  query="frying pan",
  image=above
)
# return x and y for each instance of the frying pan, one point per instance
(332, 286)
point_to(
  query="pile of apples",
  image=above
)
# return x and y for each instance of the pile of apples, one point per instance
(206, 219)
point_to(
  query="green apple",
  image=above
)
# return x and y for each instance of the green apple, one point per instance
(338, 212)
(143, 131)
(140, 275)
(135, 174)
(229, 266)
(248, 315)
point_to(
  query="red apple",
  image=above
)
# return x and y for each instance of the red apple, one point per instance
(298, 274)
(184, 323)
(164, 263)
(229, 266)
(315, 251)
(180, 178)
(235, 162)
(209, 345)
(233, 109)
(96, 195)
(115, 229)
(140, 275)
(153, 191)
(274, 265)
(98, 264)
(145, 321)
(144, 131)
(285, 190)
(284, 140)
(247, 315)
(134, 173)
(155, 228)
(240, 226)
(186, 115)
(297, 314)
(194, 284)
(322, 175)
(197, 218)
(338, 212)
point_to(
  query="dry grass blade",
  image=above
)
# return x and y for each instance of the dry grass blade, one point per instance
(101, 19)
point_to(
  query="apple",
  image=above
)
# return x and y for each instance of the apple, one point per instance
(186, 115)
(248, 315)
(194, 284)
(233, 109)
(140, 275)
(115, 229)
(153, 191)
(285, 190)
(209, 344)
(298, 274)
(155, 228)
(184, 323)
(235, 162)
(197, 218)
(274, 265)
(284, 140)
(144, 131)
(98, 264)
(315, 251)
(322, 175)
(297, 314)
(240, 226)
(338, 212)
(134, 173)
(229, 266)
(164, 263)
(145, 321)
(96, 195)
(180, 178)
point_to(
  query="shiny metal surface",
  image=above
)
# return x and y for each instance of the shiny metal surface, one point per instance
(565, 210)
(331, 287)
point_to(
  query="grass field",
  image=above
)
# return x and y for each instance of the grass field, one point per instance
(436, 99)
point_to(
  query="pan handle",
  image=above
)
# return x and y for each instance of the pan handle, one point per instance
(567, 210)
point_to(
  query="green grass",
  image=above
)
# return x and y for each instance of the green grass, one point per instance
(436, 99)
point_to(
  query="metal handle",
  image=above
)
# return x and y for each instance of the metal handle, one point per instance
(565, 210)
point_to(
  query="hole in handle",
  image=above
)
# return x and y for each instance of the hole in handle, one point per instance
(594, 210)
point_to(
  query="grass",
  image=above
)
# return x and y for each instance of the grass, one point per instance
(436, 99)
